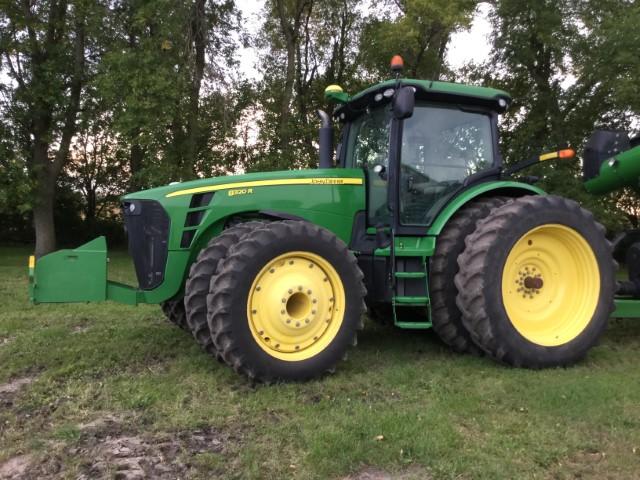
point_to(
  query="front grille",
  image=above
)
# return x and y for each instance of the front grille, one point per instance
(147, 226)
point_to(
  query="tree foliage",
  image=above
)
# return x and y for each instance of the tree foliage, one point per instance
(100, 97)
(554, 58)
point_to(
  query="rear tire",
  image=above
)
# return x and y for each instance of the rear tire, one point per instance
(446, 317)
(286, 302)
(197, 285)
(175, 312)
(536, 282)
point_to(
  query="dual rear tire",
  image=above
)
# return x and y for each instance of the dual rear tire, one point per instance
(536, 282)
(276, 301)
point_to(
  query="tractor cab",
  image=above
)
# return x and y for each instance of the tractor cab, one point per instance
(420, 143)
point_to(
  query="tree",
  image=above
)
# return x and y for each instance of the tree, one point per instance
(308, 45)
(418, 30)
(157, 73)
(48, 51)
(537, 46)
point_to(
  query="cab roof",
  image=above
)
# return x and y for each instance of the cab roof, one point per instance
(447, 92)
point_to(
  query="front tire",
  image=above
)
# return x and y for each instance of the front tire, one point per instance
(197, 285)
(175, 312)
(536, 282)
(286, 302)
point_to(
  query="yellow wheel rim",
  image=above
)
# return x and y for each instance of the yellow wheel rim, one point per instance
(551, 285)
(296, 306)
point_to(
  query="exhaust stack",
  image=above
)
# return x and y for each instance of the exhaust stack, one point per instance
(325, 140)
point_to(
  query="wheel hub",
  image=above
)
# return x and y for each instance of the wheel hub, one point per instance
(550, 284)
(296, 305)
(529, 280)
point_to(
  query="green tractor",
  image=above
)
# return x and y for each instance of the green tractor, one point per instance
(415, 220)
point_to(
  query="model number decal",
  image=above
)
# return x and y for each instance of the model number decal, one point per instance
(240, 191)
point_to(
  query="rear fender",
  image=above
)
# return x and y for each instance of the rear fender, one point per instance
(489, 189)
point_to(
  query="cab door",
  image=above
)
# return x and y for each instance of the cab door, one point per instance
(368, 148)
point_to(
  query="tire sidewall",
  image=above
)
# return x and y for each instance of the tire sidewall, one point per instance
(539, 355)
(254, 357)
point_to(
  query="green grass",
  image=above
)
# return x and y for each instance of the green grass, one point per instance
(441, 415)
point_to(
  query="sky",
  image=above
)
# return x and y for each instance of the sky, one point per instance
(465, 46)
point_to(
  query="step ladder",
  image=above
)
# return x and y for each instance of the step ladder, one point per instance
(410, 287)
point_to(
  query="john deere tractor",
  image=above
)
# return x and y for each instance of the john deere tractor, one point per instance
(415, 220)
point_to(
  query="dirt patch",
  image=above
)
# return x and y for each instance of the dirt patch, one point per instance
(29, 467)
(15, 385)
(9, 390)
(371, 473)
(112, 450)
(165, 456)
(4, 341)
(15, 467)
(76, 329)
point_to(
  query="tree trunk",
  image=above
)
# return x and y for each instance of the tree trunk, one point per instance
(290, 28)
(43, 210)
(136, 156)
(198, 34)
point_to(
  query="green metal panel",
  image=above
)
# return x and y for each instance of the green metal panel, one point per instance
(78, 275)
(617, 172)
(495, 188)
(626, 308)
(126, 294)
(414, 325)
(441, 87)
(420, 301)
(410, 247)
(410, 274)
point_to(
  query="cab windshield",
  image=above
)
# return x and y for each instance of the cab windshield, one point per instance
(442, 145)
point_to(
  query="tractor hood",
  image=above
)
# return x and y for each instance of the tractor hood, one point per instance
(249, 180)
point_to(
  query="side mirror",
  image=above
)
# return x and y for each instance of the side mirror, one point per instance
(404, 102)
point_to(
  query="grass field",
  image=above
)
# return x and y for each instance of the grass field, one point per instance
(110, 391)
